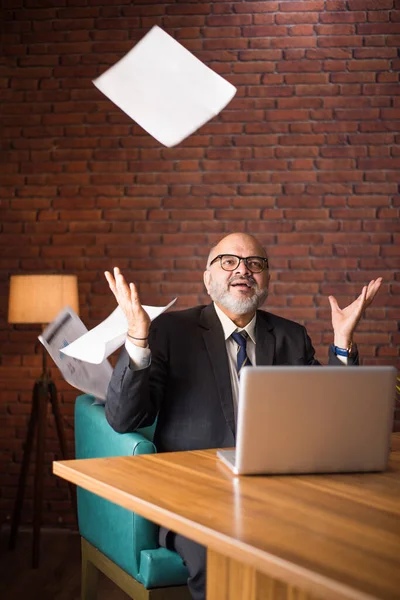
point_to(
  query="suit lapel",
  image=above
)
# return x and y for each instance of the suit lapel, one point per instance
(213, 336)
(265, 341)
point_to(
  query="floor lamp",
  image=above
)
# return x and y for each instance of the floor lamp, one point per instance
(38, 299)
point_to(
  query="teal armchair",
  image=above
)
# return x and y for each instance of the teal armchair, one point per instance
(115, 541)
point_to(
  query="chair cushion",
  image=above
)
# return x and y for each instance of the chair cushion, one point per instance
(120, 534)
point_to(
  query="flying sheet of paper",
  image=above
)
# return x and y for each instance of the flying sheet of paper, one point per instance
(164, 88)
(98, 343)
(66, 328)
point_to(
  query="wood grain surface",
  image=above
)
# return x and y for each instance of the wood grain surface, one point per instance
(333, 536)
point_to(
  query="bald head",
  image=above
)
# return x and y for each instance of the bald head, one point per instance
(242, 244)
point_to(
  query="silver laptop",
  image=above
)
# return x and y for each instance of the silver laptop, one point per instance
(313, 420)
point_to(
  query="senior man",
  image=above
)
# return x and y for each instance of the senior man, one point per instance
(185, 365)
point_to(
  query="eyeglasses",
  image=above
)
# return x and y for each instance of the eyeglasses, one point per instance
(230, 262)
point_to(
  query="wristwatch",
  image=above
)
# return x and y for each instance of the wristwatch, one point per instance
(344, 351)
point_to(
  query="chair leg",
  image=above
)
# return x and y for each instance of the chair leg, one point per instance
(90, 576)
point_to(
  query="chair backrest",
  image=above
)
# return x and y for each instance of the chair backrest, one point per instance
(118, 533)
(127, 539)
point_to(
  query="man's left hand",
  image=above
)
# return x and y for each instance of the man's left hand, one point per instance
(345, 320)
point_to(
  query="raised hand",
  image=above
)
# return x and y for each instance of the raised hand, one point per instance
(345, 320)
(128, 299)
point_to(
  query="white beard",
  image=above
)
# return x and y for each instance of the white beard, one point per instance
(220, 293)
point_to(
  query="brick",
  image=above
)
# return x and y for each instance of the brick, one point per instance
(256, 190)
(303, 164)
(379, 163)
(335, 164)
(264, 31)
(296, 176)
(294, 151)
(379, 16)
(375, 53)
(287, 115)
(261, 165)
(317, 90)
(306, 41)
(316, 5)
(299, 17)
(369, 65)
(369, 4)
(223, 43)
(302, 30)
(301, 65)
(300, 140)
(342, 29)
(254, 7)
(340, 41)
(354, 114)
(382, 89)
(318, 226)
(229, 20)
(228, 32)
(341, 16)
(366, 200)
(378, 28)
(310, 79)
(333, 188)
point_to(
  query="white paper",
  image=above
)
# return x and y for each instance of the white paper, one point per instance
(98, 343)
(66, 328)
(164, 88)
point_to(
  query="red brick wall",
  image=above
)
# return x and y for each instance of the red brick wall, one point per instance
(306, 156)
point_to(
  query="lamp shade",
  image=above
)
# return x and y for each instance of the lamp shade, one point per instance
(39, 298)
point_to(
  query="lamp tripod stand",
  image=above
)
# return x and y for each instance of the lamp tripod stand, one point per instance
(44, 392)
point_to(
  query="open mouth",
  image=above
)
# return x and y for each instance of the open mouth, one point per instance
(244, 285)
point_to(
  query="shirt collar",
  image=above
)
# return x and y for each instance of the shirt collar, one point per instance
(229, 326)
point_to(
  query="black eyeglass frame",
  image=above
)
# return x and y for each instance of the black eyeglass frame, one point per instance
(241, 258)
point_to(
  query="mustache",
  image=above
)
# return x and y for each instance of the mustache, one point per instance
(248, 279)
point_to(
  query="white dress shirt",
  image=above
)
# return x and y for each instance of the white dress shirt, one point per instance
(140, 357)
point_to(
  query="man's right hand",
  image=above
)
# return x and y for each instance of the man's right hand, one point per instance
(128, 299)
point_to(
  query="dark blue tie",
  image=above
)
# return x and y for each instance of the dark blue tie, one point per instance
(242, 358)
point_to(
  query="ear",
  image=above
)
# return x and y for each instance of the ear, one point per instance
(206, 280)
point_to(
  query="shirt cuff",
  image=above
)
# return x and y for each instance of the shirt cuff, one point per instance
(343, 359)
(140, 357)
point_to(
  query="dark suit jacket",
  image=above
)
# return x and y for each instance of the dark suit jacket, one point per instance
(188, 382)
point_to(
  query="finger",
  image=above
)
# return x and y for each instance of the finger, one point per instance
(362, 295)
(122, 286)
(134, 294)
(373, 288)
(111, 282)
(333, 303)
(359, 305)
(361, 300)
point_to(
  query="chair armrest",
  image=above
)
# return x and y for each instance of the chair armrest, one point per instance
(94, 438)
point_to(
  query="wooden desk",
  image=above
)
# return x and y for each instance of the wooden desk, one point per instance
(293, 538)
